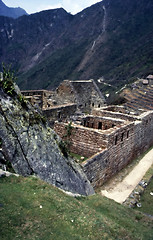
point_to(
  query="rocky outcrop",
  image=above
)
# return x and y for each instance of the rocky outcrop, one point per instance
(32, 146)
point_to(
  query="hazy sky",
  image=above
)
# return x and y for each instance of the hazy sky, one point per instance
(32, 6)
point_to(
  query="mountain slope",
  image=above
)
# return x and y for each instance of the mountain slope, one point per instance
(11, 12)
(27, 39)
(111, 39)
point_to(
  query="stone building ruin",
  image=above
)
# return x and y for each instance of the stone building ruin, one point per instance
(109, 137)
(70, 98)
(110, 140)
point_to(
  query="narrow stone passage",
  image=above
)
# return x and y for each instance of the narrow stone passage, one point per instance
(123, 189)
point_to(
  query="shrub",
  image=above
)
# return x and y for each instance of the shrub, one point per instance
(7, 81)
(63, 148)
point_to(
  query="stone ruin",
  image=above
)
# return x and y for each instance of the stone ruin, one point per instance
(110, 140)
(70, 98)
(109, 137)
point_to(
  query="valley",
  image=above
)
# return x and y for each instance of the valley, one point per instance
(110, 39)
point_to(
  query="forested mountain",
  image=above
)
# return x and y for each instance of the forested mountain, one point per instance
(112, 39)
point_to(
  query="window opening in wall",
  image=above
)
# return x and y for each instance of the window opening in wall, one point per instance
(127, 134)
(84, 123)
(116, 140)
(99, 105)
(59, 115)
(100, 125)
(122, 136)
(85, 104)
(93, 104)
(113, 125)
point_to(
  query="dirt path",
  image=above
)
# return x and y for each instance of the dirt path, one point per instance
(123, 189)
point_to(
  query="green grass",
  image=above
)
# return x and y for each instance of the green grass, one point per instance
(147, 200)
(63, 217)
(78, 157)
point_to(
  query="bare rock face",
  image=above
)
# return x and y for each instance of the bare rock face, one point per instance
(32, 147)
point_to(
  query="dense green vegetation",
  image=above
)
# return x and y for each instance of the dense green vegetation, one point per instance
(31, 209)
(7, 80)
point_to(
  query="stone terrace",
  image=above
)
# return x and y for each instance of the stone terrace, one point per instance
(140, 97)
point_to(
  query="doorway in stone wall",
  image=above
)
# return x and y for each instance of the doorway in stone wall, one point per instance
(100, 125)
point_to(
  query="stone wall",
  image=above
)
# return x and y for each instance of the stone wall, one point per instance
(83, 141)
(110, 150)
(59, 113)
(118, 115)
(102, 123)
(124, 145)
(117, 108)
(119, 153)
(83, 92)
(39, 97)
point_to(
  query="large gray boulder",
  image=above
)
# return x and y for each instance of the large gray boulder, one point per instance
(32, 146)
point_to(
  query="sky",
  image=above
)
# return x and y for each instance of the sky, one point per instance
(39, 5)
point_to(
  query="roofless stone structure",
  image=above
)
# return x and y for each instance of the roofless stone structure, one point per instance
(109, 137)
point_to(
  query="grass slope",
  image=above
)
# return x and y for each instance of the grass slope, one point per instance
(147, 200)
(31, 209)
